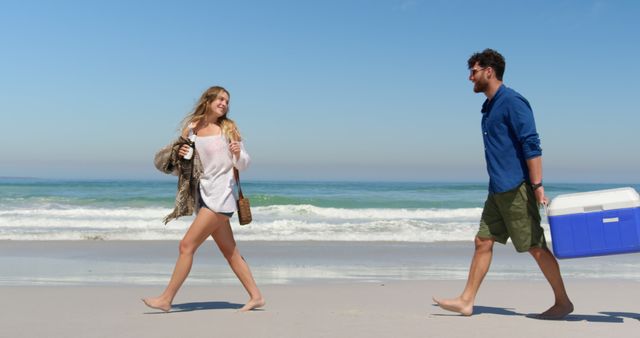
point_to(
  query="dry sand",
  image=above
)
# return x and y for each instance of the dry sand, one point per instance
(604, 308)
(313, 289)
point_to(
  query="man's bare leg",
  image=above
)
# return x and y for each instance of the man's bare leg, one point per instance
(480, 263)
(551, 270)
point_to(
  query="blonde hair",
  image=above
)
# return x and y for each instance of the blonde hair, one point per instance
(201, 109)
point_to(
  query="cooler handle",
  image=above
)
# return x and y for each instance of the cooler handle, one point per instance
(546, 211)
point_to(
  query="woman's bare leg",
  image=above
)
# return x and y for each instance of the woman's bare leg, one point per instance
(202, 227)
(223, 235)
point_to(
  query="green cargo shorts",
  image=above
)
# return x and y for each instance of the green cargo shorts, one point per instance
(514, 214)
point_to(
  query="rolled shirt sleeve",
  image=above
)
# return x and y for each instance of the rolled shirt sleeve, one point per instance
(523, 124)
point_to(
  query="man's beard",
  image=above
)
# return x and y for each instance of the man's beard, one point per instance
(480, 87)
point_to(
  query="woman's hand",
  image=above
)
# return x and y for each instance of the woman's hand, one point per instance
(184, 150)
(234, 147)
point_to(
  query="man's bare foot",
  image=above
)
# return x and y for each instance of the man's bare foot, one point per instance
(557, 311)
(253, 304)
(455, 305)
(157, 303)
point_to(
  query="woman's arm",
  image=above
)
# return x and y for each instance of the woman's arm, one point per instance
(239, 155)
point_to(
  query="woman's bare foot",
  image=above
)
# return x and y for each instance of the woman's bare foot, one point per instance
(456, 305)
(557, 311)
(157, 303)
(253, 304)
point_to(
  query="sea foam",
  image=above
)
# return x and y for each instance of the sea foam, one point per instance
(276, 223)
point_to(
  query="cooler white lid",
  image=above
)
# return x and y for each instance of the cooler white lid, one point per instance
(593, 201)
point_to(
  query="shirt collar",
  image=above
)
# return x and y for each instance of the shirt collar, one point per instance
(487, 105)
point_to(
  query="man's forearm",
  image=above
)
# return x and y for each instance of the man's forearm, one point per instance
(535, 169)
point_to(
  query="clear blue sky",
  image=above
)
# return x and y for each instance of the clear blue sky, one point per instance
(356, 90)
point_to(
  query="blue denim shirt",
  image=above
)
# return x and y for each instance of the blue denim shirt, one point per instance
(510, 138)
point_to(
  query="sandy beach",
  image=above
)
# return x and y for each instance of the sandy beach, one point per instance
(396, 309)
(89, 289)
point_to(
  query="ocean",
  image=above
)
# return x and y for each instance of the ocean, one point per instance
(41, 209)
(55, 232)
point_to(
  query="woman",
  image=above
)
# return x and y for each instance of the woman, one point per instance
(219, 148)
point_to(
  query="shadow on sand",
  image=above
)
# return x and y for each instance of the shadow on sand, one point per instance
(630, 315)
(199, 306)
(603, 317)
(478, 310)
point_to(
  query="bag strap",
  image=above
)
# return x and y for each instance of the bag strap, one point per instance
(236, 175)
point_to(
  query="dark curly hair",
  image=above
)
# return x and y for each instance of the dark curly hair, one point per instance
(489, 58)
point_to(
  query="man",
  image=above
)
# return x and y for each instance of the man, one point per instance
(514, 162)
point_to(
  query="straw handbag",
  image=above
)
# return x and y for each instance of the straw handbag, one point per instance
(244, 209)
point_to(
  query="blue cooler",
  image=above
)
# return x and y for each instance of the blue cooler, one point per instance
(595, 223)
